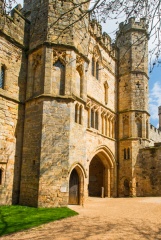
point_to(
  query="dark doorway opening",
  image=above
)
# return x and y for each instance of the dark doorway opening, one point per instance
(96, 177)
(74, 188)
(126, 188)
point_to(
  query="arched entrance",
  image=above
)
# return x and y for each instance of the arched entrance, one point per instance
(96, 177)
(102, 174)
(74, 188)
(76, 185)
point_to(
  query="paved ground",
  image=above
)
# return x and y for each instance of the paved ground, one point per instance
(101, 219)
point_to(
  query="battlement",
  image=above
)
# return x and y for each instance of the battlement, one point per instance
(14, 26)
(154, 134)
(154, 129)
(103, 38)
(133, 24)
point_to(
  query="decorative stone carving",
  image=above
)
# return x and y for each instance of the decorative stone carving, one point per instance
(59, 55)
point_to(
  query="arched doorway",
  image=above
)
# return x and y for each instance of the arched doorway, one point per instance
(96, 177)
(74, 188)
(102, 173)
(76, 185)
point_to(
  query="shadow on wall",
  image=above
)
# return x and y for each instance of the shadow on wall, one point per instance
(147, 172)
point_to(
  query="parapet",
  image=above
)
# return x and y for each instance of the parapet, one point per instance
(154, 134)
(14, 26)
(103, 38)
(133, 24)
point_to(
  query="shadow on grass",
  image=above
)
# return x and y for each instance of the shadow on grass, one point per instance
(17, 218)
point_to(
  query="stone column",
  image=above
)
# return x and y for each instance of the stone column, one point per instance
(109, 182)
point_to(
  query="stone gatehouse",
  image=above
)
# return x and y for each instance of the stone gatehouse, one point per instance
(74, 118)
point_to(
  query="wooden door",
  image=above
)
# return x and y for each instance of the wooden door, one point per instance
(74, 188)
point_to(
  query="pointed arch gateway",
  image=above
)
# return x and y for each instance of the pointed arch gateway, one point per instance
(76, 185)
(102, 174)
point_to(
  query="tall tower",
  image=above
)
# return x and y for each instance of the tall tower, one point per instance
(132, 40)
(159, 113)
(56, 80)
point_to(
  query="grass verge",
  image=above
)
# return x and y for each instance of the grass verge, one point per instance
(17, 218)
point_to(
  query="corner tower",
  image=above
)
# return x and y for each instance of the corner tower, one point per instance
(56, 87)
(132, 43)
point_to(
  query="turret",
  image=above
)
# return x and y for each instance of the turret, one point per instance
(132, 43)
(57, 22)
(159, 113)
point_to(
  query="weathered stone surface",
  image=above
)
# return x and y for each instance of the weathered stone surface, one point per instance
(67, 105)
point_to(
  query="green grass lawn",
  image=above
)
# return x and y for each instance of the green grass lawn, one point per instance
(17, 218)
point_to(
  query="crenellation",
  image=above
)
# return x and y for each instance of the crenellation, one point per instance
(132, 24)
(14, 27)
(103, 38)
(73, 108)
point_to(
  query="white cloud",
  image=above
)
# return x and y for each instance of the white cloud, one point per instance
(155, 100)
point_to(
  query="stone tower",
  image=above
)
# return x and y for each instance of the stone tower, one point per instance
(132, 102)
(159, 113)
(56, 78)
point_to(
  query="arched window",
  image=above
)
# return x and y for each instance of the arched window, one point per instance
(124, 153)
(92, 118)
(37, 79)
(147, 129)
(2, 76)
(76, 112)
(1, 172)
(139, 128)
(96, 120)
(95, 62)
(80, 115)
(78, 84)
(103, 123)
(93, 67)
(125, 128)
(97, 70)
(106, 125)
(58, 78)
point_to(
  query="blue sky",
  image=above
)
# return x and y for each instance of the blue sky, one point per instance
(154, 77)
(155, 94)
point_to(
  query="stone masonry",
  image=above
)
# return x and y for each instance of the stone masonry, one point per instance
(74, 118)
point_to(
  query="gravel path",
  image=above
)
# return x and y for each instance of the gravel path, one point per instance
(101, 219)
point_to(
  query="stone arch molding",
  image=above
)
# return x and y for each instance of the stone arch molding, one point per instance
(105, 153)
(81, 175)
(59, 55)
(78, 167)
(108, 179)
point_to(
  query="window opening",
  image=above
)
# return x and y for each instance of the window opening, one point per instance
(97, 70)
(0, 176)
(2, 75)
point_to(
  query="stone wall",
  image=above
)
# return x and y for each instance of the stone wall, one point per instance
(12, 95)
(148, 171)
(31, 153)
(54, 158)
